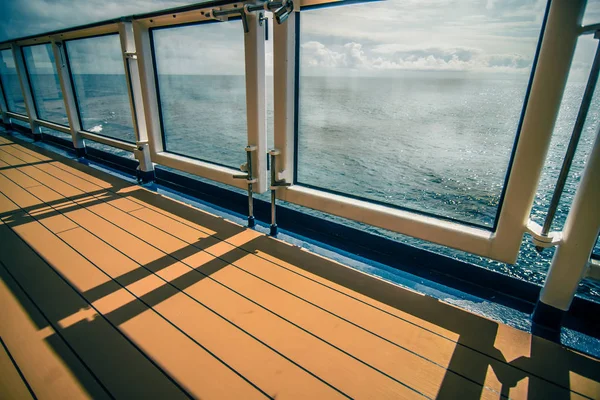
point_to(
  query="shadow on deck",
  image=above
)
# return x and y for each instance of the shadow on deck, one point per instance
(111, 290)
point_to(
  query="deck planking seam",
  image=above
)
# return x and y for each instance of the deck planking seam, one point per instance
(31, 392)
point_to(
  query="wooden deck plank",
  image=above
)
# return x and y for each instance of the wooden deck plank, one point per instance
(119, 366)
(181, 357)
(12, 385)
(48, 365)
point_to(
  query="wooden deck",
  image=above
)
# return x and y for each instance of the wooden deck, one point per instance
(109, 290)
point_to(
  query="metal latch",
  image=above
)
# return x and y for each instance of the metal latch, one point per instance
(247, 167)
(542, 241)
(275, 184)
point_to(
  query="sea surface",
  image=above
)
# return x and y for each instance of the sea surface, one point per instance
(434, 144)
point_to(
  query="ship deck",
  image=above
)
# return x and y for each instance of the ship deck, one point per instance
(110, 290)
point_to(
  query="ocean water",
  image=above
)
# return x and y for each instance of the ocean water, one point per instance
(438, 145)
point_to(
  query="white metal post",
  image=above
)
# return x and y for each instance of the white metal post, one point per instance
(136, 101)
(60, 59)
(256, 111)
(554, 62)
(145, 64)
(284, 84)
(570, 261)
(26, 90)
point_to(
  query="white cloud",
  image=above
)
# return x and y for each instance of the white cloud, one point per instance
(353, 56)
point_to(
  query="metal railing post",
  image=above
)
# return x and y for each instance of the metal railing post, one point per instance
(284, 87)
(148, 90)
(64, 77)
(134, 89)
(579, 235)
(562, 29)
(250, 181)
(574, 141)
(275, 184)
(256, 109)
(26, 91)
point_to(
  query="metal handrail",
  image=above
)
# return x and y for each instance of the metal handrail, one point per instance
(574, 141)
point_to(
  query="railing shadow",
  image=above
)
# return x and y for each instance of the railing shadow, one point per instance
(93, 353)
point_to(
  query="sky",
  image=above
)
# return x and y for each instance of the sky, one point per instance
(385, 38)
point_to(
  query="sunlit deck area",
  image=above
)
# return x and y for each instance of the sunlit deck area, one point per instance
(110, 290)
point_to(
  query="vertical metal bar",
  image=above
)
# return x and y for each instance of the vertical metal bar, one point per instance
(284, 83)
(64, 77)
(136, 102)
(251, 220)
(574, 141)
(26, 90)
(578, 239)
(554, 62)
(256, 111)
(273, 230)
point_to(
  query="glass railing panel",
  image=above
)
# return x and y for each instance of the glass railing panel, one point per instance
(100, 86)
(592, 12)
(414, 105)
(10, 83)
(201, 84)
(45, 84)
